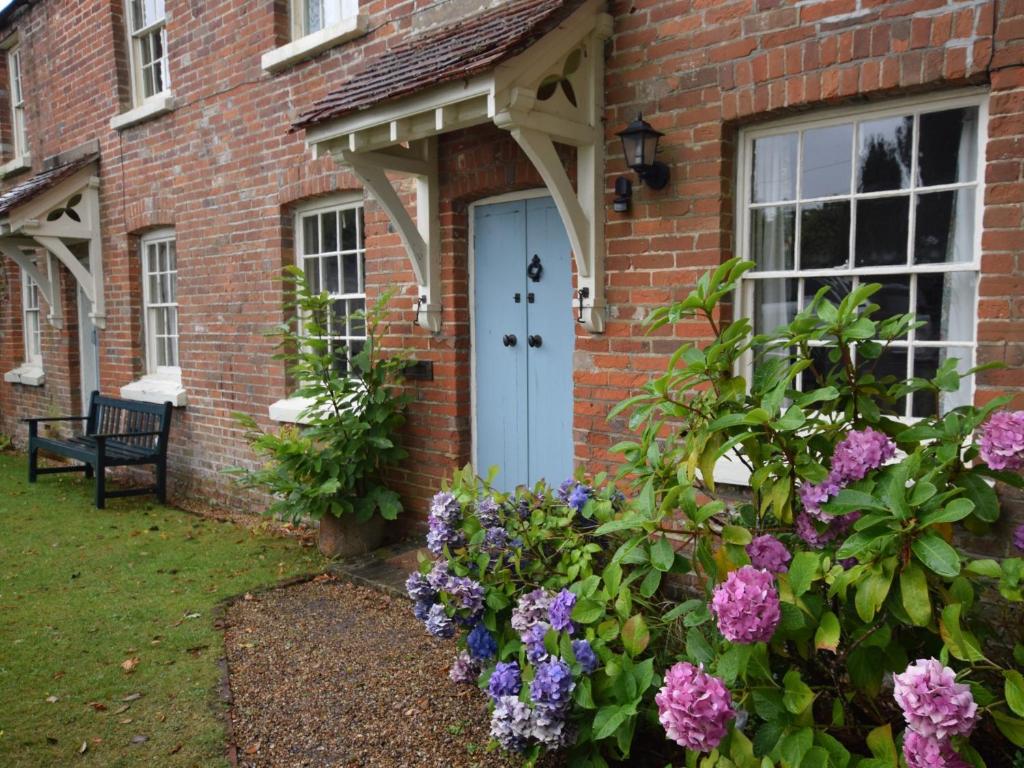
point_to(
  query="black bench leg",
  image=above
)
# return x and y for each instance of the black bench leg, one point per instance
(33, 459)
(101, 485)
(161, 481)
(89, 472)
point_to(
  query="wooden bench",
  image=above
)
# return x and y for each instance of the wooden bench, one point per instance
(118, 433)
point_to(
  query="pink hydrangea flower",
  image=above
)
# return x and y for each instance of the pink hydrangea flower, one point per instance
(694, 707)
(813, 495)
(858, 453)
(1018, 537)
(934, 704)
(925, 752)
(1001, 444)
(746, 605)
(768, 553)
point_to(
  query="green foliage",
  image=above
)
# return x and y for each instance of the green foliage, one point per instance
(333, 463)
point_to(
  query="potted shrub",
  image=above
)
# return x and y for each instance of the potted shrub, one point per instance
(330, 466)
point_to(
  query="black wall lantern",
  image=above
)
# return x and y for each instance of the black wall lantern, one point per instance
(640, 145)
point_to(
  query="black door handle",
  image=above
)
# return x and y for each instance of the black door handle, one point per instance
(509, 339)
(535, 340)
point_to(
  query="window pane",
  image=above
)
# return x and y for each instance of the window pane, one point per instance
(349, 236)
(310, 234)
(314, 15)
(893, 298)
(771, 237)
(172, 256)
(356, 325)
(892, 365)
(775, 168)
(882, 225)
(824, 235)
(883, 160)
(838, 288)
(312, 270)
(331, 277)
(945, 304)
(350, 273)
(329, 232)
(948, 147)
(340, 354)
(775, 304)
(926, 364)
(826, 161)
(815, 376)
(944, 227)
(157, 43)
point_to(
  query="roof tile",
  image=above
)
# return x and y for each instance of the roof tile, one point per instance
(41, 182)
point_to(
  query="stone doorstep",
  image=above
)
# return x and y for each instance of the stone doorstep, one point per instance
(385, 569)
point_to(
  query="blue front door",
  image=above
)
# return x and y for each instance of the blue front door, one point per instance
(523, 336)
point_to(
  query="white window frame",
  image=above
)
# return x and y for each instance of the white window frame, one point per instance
(976, 98)
(148, 240)
(345, 9)
(138, 38)
(19, 135)
(31, 321)
(347, 25)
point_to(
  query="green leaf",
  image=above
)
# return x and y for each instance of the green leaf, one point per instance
(1014, 690)
(849, 500)
(803, 570)
(932, 550)
(650, 583)
(635, 635)
(956, 510)
(587, 611)
(826, 637)
(986, 502)
(961, 643)
(612, 577)
(987, 568)
(914, 594)
(662, 554)
(873, 589)
(1011, 727)
(882, 746)
(794, 746)
(697, 647)
(607, 721)
(736, 534)
(796, 695)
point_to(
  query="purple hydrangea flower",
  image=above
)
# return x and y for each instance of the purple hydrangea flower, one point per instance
(419, 588)
(812, 496)
(585, 656)
(421, 609)
(564, 489)
(488, 512)
(465, 669)
(468, 593)
(552, 683)
(578, 498)
(1001, 444)
(506, 680)
(439, 575)
(768, 553)
(531, 609)
(511, 723)
(560, 612)
(746, 605)
(694, 707)
(860, 452)
(536, 651)
(934, 704)
(1018, 537)
(481, 643)
(926, 752)
(443, 521)
(495, 539)
(438, 623)
(445, 507)
(549, 727)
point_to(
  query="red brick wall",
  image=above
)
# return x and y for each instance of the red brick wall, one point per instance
(224, 171)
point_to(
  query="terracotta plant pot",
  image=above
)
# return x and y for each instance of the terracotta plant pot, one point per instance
(346, 536)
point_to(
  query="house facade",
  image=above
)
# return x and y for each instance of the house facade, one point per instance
(164, 160)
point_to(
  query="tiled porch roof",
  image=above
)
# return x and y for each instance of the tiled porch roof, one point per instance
(470, 47)
(40, 183)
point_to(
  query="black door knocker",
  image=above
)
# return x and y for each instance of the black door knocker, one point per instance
(581, 294)
(535, 270)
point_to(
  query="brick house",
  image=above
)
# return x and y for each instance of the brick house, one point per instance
(164, 160)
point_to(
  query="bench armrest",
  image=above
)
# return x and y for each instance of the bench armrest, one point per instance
(57, 418)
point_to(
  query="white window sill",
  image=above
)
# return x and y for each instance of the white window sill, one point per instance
(19, 163)
(309, 46)
(154, 106)
(29, 374)
(290, 410)
(157, 388)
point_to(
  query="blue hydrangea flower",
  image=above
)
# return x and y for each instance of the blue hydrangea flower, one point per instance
(585, 656)
(419, 588)
(523, 508)
(536, 651)
(506, 680)
(481, 643)
(552, 684)
(445, 507)
(560, 612)
(549, 727)
(512, 723)
(441, 534)
(421, 609)
(564, 489)
(439, 575)
(495, 539)
(488, 512)
(578, 498)
(438, 623)
(467, 592)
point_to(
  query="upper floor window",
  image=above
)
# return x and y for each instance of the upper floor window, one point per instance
(160, 301)
(891, 196)
(31, 320)
(18, 135)
(309, 16)
(332, 253)
(148, 48)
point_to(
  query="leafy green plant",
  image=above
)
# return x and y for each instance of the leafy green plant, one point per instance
(332, 464)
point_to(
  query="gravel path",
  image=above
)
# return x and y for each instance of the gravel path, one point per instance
(329, 674)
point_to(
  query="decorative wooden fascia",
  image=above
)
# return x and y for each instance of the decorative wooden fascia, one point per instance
(47, 281)
(551, 93)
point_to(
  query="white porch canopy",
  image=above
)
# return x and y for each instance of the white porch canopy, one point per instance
(534, 68)
(56, 210)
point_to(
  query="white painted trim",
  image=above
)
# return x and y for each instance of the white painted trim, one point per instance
(158, 388)
(28, 374)
(15, 164)
(310, 45)
(154, 106)
(156, 236)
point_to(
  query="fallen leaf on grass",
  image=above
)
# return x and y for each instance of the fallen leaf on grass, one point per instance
(52, 699)
(129, 665)
(175, 749)
(82, 749)
(252, 749)
(125, 720)
(160, 717)
(122, 710)
(99, 706)
(132, 697)
(140, 739)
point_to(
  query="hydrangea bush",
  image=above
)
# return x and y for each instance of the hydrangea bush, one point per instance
(830, 615)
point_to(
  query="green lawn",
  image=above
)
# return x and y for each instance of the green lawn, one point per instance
(83, 591)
